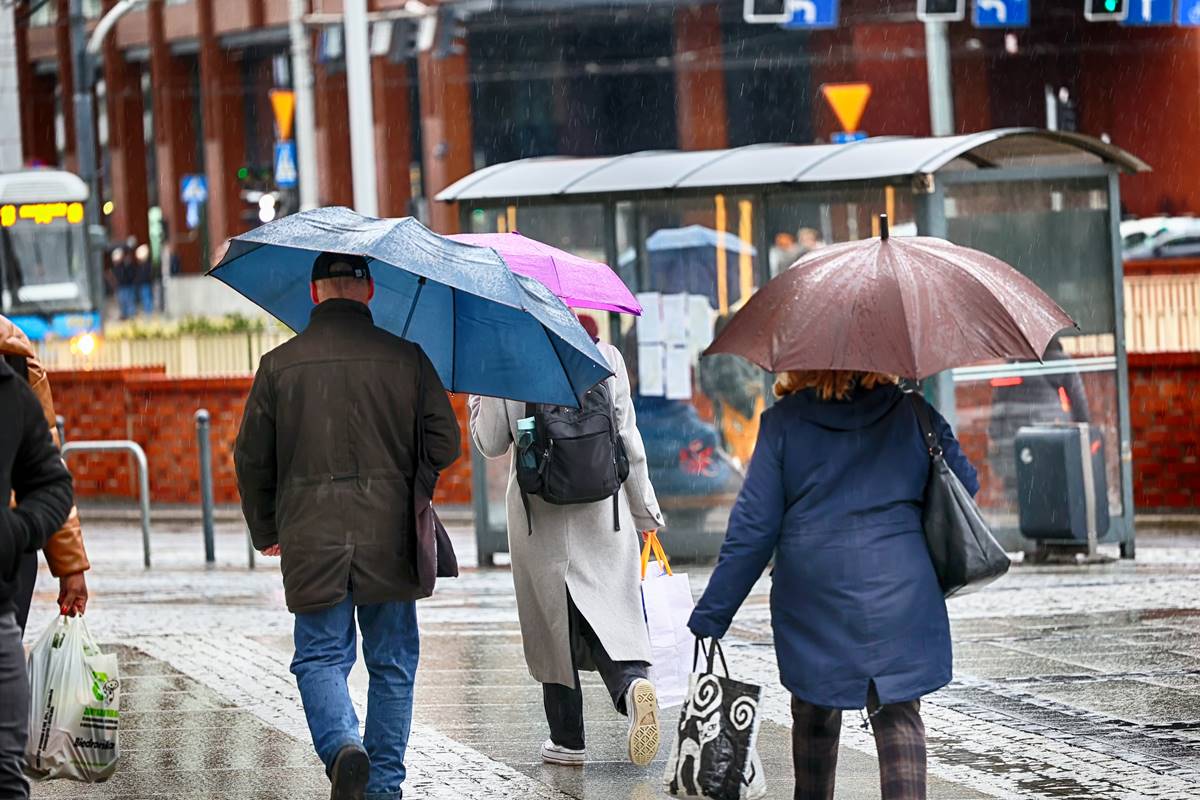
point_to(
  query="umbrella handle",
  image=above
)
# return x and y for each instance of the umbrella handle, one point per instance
(883, 227)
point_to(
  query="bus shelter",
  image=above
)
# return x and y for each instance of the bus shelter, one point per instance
(696, 233)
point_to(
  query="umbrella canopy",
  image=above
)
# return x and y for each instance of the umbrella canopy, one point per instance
(486, 330)
(910, 307)
(685, 260)
(579, 282)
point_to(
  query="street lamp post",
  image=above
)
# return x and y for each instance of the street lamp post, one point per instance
(302, 85)
(362, 117)
(937, 65)
(85, 141)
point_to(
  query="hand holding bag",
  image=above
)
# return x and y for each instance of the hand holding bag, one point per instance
(667, 605)
(714, 755)
(966, 557)
(433, 552)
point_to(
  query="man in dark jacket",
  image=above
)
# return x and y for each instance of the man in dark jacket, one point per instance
(325, 463)
(32, 469)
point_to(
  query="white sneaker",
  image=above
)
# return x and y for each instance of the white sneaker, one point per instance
(641, 703)
(562, 756)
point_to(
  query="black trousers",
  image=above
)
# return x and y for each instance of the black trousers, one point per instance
(564, 705)
(26, 578)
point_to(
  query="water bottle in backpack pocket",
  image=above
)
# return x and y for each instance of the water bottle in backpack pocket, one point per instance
(571, 456)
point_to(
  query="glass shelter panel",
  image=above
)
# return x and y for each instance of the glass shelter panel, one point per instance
(577, 228)
(694, 262)
(798, 223)
(1057, 233)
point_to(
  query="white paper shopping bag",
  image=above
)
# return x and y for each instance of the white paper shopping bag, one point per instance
(667, 602)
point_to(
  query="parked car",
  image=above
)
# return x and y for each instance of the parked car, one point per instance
(1179, 245)
(1146, 242)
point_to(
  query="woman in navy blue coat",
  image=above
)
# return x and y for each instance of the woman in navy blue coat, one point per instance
(834, 493)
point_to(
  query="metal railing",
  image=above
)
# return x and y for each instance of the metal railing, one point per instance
(126, 446)
(204, 446)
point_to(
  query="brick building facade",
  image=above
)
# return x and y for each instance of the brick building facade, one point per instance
(186, 87)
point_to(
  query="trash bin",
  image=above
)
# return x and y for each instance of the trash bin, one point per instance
(1062, 488)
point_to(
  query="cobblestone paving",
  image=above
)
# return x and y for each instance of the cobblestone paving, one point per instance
(1070, 683)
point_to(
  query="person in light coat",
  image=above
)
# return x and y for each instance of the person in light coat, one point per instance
(578, 583)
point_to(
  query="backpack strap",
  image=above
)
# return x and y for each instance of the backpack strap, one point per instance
(530, 408)
(617, 446)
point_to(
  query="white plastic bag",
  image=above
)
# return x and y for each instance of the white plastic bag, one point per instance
(74, 713)
(667, 602)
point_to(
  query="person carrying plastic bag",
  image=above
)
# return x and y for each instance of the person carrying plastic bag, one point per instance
(32, 470)
(74, 716)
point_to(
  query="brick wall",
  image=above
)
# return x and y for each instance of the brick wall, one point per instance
(93, 405)
(1165, 409)
(159, 414)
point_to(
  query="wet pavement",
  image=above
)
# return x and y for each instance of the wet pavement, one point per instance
(1071, 682)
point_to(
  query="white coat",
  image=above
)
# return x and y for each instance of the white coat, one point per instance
(574, 548)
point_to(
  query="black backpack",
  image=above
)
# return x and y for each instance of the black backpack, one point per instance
(576, 454)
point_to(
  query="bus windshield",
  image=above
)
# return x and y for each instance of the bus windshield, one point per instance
(42, 266)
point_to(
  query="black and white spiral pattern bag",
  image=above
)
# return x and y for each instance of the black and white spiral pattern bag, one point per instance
(714, 755)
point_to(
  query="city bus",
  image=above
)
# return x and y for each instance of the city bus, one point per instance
(46, 281)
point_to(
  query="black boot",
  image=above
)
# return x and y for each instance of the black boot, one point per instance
(351, 769)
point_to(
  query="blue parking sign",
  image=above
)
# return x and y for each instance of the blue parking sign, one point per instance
(1149, 12)
(810, 14)
(1001, 14)
(1189, 13)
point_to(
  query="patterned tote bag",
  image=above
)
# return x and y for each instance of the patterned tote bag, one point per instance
(714, 755)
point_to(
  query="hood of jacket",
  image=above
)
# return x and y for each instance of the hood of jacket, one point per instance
(861, 410)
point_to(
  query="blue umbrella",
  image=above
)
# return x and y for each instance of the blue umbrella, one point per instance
(486, 330)
(685, 260)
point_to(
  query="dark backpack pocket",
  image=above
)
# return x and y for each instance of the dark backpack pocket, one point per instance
(580, 470)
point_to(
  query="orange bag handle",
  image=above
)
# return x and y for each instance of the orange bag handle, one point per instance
(653, 545)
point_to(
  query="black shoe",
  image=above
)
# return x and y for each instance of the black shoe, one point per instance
(351, 769)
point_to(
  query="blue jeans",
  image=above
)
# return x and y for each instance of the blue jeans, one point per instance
(146, 295)
(127, 300)
(325, 654)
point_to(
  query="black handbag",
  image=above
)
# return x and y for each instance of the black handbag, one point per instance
(433, 552)
(965, 555)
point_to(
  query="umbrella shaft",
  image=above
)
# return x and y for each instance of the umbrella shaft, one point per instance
(412, 309)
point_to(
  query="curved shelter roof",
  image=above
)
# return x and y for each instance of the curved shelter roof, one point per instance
(764, 165)
(41, 186)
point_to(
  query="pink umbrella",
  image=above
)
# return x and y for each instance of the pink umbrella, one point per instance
(580, 283)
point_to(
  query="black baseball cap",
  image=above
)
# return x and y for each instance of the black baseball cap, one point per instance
(340, 265)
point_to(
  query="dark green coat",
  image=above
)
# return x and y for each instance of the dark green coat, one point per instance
(325, 457)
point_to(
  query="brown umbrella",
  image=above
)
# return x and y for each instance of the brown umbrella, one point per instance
(911, 306)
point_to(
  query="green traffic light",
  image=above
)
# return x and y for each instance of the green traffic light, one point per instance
(243, 173)
(1110, 5)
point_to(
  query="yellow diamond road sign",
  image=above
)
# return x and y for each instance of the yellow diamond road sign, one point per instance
(848, 101)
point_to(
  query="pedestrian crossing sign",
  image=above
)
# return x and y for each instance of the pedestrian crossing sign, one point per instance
(286, 175)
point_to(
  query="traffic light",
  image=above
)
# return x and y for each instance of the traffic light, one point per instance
(941, 10)
(1105, 10)
(766, 11)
